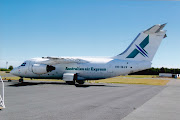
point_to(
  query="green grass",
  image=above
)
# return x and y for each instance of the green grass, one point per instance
(2, 73)
(119, 80)
(4, 69)
(141, 76)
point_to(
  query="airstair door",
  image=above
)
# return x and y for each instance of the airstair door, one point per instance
(30, 66)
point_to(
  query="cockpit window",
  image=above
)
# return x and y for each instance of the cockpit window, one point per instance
(23, 64)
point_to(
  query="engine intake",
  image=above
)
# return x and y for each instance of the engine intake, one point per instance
(42, 68)
(50, 68)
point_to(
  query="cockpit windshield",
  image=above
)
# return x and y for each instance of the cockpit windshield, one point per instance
(23, 64)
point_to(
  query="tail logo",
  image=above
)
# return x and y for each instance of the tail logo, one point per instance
(140, 49)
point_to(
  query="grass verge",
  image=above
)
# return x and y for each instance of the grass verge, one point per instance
(141, 76)
(117, 80)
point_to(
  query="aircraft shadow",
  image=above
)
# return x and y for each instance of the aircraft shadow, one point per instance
(59, 83)
(35, 83)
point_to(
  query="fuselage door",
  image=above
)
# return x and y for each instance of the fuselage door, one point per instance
(30, 65)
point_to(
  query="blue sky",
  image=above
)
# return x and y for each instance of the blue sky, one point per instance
(36, 28)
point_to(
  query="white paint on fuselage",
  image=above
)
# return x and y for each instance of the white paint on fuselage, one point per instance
(108, 68)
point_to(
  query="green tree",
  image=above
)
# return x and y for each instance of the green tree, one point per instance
(162, 70)
(10, 67)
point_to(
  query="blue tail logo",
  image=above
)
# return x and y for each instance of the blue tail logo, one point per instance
(140, 49)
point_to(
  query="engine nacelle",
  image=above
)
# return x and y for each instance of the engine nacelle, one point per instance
(42, 68)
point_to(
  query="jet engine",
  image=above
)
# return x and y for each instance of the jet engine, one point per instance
(42, 68)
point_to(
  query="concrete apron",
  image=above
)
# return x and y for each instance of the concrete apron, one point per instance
(164, 106)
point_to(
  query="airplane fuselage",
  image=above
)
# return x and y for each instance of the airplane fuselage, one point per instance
(95, 68)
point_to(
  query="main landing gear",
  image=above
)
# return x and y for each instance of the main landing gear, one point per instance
(72, 79)
(75, 81)
(70, 82)
(80, 81)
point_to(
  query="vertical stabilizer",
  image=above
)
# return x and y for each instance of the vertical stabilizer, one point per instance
(145, 45)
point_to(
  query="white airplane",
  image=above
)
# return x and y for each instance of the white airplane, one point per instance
(136, 57)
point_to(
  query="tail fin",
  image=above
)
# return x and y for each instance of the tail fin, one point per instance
(144, 45)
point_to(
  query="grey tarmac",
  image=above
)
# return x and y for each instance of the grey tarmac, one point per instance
(163, 106)
(38, 100)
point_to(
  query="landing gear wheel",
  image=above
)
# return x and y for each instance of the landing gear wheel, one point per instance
(21, 80)
(80, 82)
(70, 82)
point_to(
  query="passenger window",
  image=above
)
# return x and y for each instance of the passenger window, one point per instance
(116, 66)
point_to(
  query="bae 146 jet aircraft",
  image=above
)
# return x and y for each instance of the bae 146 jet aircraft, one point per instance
(136, 57)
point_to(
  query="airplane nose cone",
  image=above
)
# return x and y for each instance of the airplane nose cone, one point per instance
(14, 71)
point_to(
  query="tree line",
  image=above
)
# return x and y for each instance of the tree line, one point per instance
(9, 69)
(156, 71)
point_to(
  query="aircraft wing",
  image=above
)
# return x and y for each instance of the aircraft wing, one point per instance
(61, 60)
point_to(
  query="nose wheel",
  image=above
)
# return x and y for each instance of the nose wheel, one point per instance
(21, 80)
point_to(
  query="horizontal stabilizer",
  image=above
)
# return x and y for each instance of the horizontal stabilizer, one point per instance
(155, 29)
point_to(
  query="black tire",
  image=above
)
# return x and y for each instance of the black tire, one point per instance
(21, 80)
(80, 82)
(70, 82)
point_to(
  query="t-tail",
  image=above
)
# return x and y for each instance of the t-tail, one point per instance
(145, 45)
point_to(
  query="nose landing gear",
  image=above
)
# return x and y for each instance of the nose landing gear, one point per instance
(21, 80)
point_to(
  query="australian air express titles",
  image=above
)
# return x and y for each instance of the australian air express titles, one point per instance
(86, 69)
